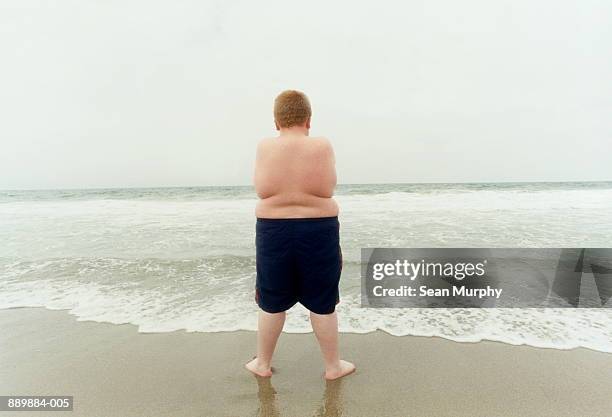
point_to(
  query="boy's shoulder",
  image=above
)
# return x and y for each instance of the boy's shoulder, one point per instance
(322, 141)
(313, 141)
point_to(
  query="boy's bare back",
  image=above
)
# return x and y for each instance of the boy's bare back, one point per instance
(295, 177)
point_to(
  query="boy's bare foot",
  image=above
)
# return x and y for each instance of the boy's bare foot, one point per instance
(259, 370)
(344, 368)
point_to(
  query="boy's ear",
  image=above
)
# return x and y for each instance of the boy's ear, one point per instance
(276, 124)
(308, 123)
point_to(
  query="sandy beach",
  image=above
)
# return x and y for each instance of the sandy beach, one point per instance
(112, 370)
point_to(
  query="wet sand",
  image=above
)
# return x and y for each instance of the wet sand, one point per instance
(112, 370)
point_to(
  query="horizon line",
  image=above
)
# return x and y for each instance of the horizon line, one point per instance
(341, 184)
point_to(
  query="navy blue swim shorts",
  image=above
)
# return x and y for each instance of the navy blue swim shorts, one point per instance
(298, 260)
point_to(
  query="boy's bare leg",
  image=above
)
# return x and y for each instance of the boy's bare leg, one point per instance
(269, 327)
(325, 327)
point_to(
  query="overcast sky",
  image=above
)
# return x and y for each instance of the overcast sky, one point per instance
(170, 93)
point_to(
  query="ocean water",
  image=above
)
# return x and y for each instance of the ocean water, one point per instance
(183, 258)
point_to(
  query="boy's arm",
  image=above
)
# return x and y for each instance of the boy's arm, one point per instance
(257, 174)
(328, 166)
